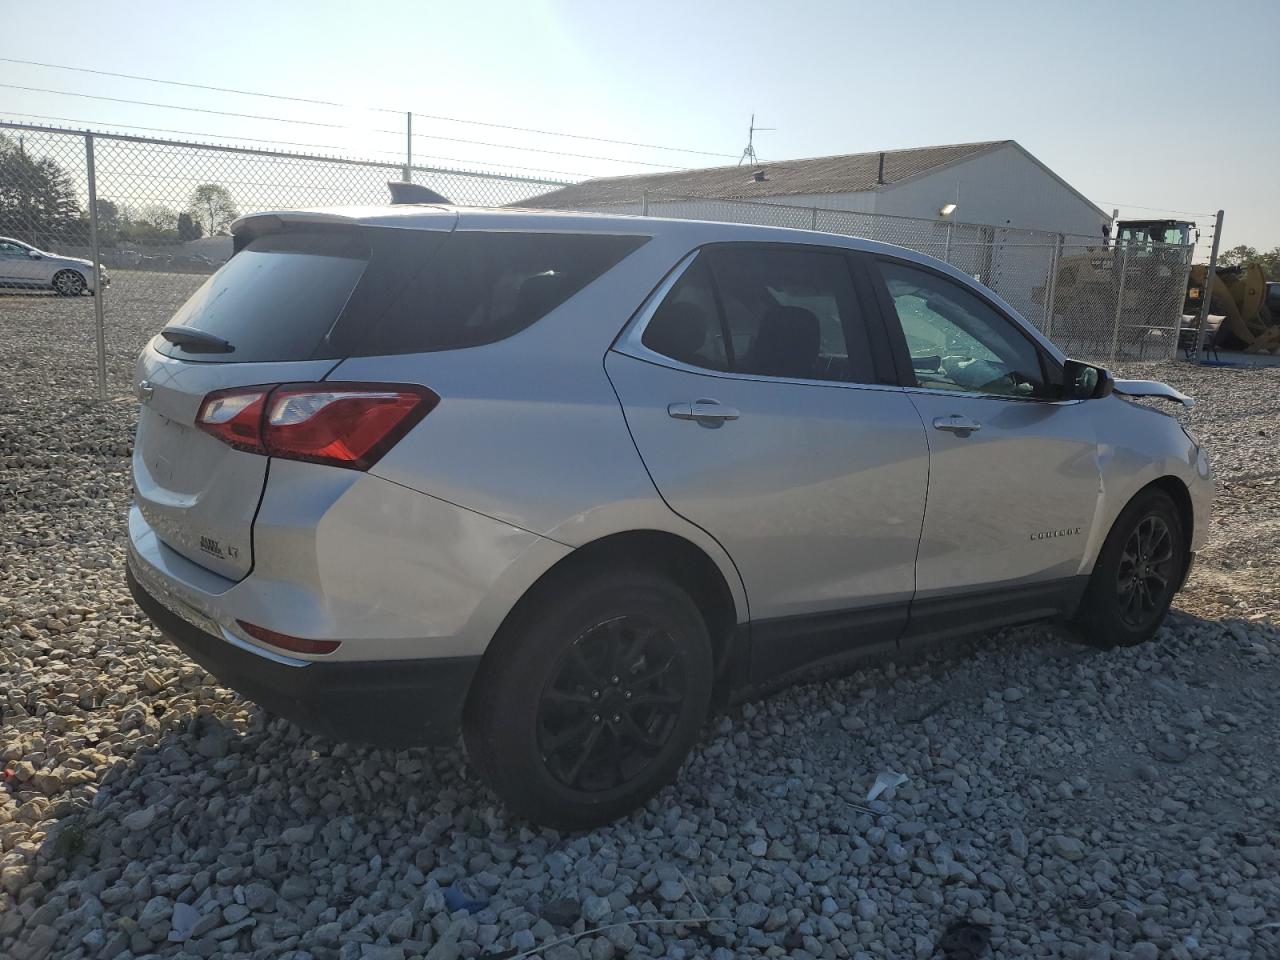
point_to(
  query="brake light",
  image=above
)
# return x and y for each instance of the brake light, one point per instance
(341, 424)
(286, 642)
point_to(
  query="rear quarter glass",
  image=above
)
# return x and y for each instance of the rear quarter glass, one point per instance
(481, 287)
(380, 291)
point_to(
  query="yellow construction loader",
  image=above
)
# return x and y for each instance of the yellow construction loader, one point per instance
(1087, 288)
(1152, 255)
(1247, 304)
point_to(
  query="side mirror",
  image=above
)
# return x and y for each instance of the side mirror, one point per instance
(35, 255)
(1085, 381)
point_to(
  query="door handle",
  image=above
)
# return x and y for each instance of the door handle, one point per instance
(956, 424)
(704, 411)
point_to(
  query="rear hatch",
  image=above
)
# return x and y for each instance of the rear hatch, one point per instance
(296, 299)
(271, 315)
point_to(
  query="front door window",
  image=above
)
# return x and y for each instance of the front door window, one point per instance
(958, 342)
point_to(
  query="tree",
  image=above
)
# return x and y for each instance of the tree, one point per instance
(1244, 256)
(189, 229)
(1237, 256)
(153, 223)
(38, 203)
(160, 217)
(108, 222)
(1271, 263)
(212, 207)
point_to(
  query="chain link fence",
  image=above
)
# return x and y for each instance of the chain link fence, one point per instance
(158, 211)
(1096, 302)
(161, 211)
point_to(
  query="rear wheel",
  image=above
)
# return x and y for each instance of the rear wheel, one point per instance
(591, 699)
(68, 283)
(1138, 571)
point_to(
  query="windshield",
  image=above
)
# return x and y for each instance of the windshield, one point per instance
(1147, 235)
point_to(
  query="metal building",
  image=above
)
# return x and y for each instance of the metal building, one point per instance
(996, 183)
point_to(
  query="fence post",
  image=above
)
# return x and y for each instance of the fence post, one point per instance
(408, 147)
(1115, 334)
(1052, 293)
(813, 219)
(1210, 274)
(946, 250)
(99, 292)
(644, 203)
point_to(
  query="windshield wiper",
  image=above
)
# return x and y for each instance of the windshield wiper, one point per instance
(196, 341)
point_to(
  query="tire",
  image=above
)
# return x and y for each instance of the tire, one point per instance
(1121, 607)
(572, 721)
(68, 283)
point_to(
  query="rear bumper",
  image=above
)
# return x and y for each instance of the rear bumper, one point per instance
(394, 703)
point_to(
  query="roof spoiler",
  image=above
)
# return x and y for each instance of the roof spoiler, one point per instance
(402, 192)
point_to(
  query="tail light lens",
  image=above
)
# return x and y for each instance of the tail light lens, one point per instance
(341, 424)
(235, 417)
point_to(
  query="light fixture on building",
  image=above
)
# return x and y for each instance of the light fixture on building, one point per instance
(946, 210)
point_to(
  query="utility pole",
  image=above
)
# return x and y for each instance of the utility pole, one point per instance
(99, 292)
(408, 147)
(1207, 288)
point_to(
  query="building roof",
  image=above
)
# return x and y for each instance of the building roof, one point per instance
(846, 173)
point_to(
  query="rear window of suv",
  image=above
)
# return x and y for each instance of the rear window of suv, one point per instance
(334, 294)
(276, 298)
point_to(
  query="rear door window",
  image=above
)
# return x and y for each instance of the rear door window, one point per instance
(791, 313)
(766, 310)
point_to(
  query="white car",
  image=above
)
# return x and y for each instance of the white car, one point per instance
(22, 265)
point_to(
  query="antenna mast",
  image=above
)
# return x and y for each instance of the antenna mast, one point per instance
(749, 154)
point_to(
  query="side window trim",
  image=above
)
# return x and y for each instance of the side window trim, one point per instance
(1049, 371)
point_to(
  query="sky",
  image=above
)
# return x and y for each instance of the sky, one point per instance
(1124, 100)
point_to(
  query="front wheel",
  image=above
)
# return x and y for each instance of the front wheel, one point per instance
(591, 698)
(68, 283)
(1138, 570)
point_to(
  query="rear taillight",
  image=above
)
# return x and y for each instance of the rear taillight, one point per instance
(342, 424)
(235, 417)
(286, 642)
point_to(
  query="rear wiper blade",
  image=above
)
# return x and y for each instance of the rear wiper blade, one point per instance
(196, 341)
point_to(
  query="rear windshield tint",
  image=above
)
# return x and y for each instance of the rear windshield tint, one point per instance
(483, 287)
(277, 298)
(299, 296)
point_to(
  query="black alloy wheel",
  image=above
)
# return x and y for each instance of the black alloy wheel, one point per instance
(612, 705)
(1139, 569)
(1145, 574)
(591, 696)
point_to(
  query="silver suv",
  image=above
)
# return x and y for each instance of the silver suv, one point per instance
(567, 481)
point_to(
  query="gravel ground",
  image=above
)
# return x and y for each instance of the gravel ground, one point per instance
(1065, 802)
